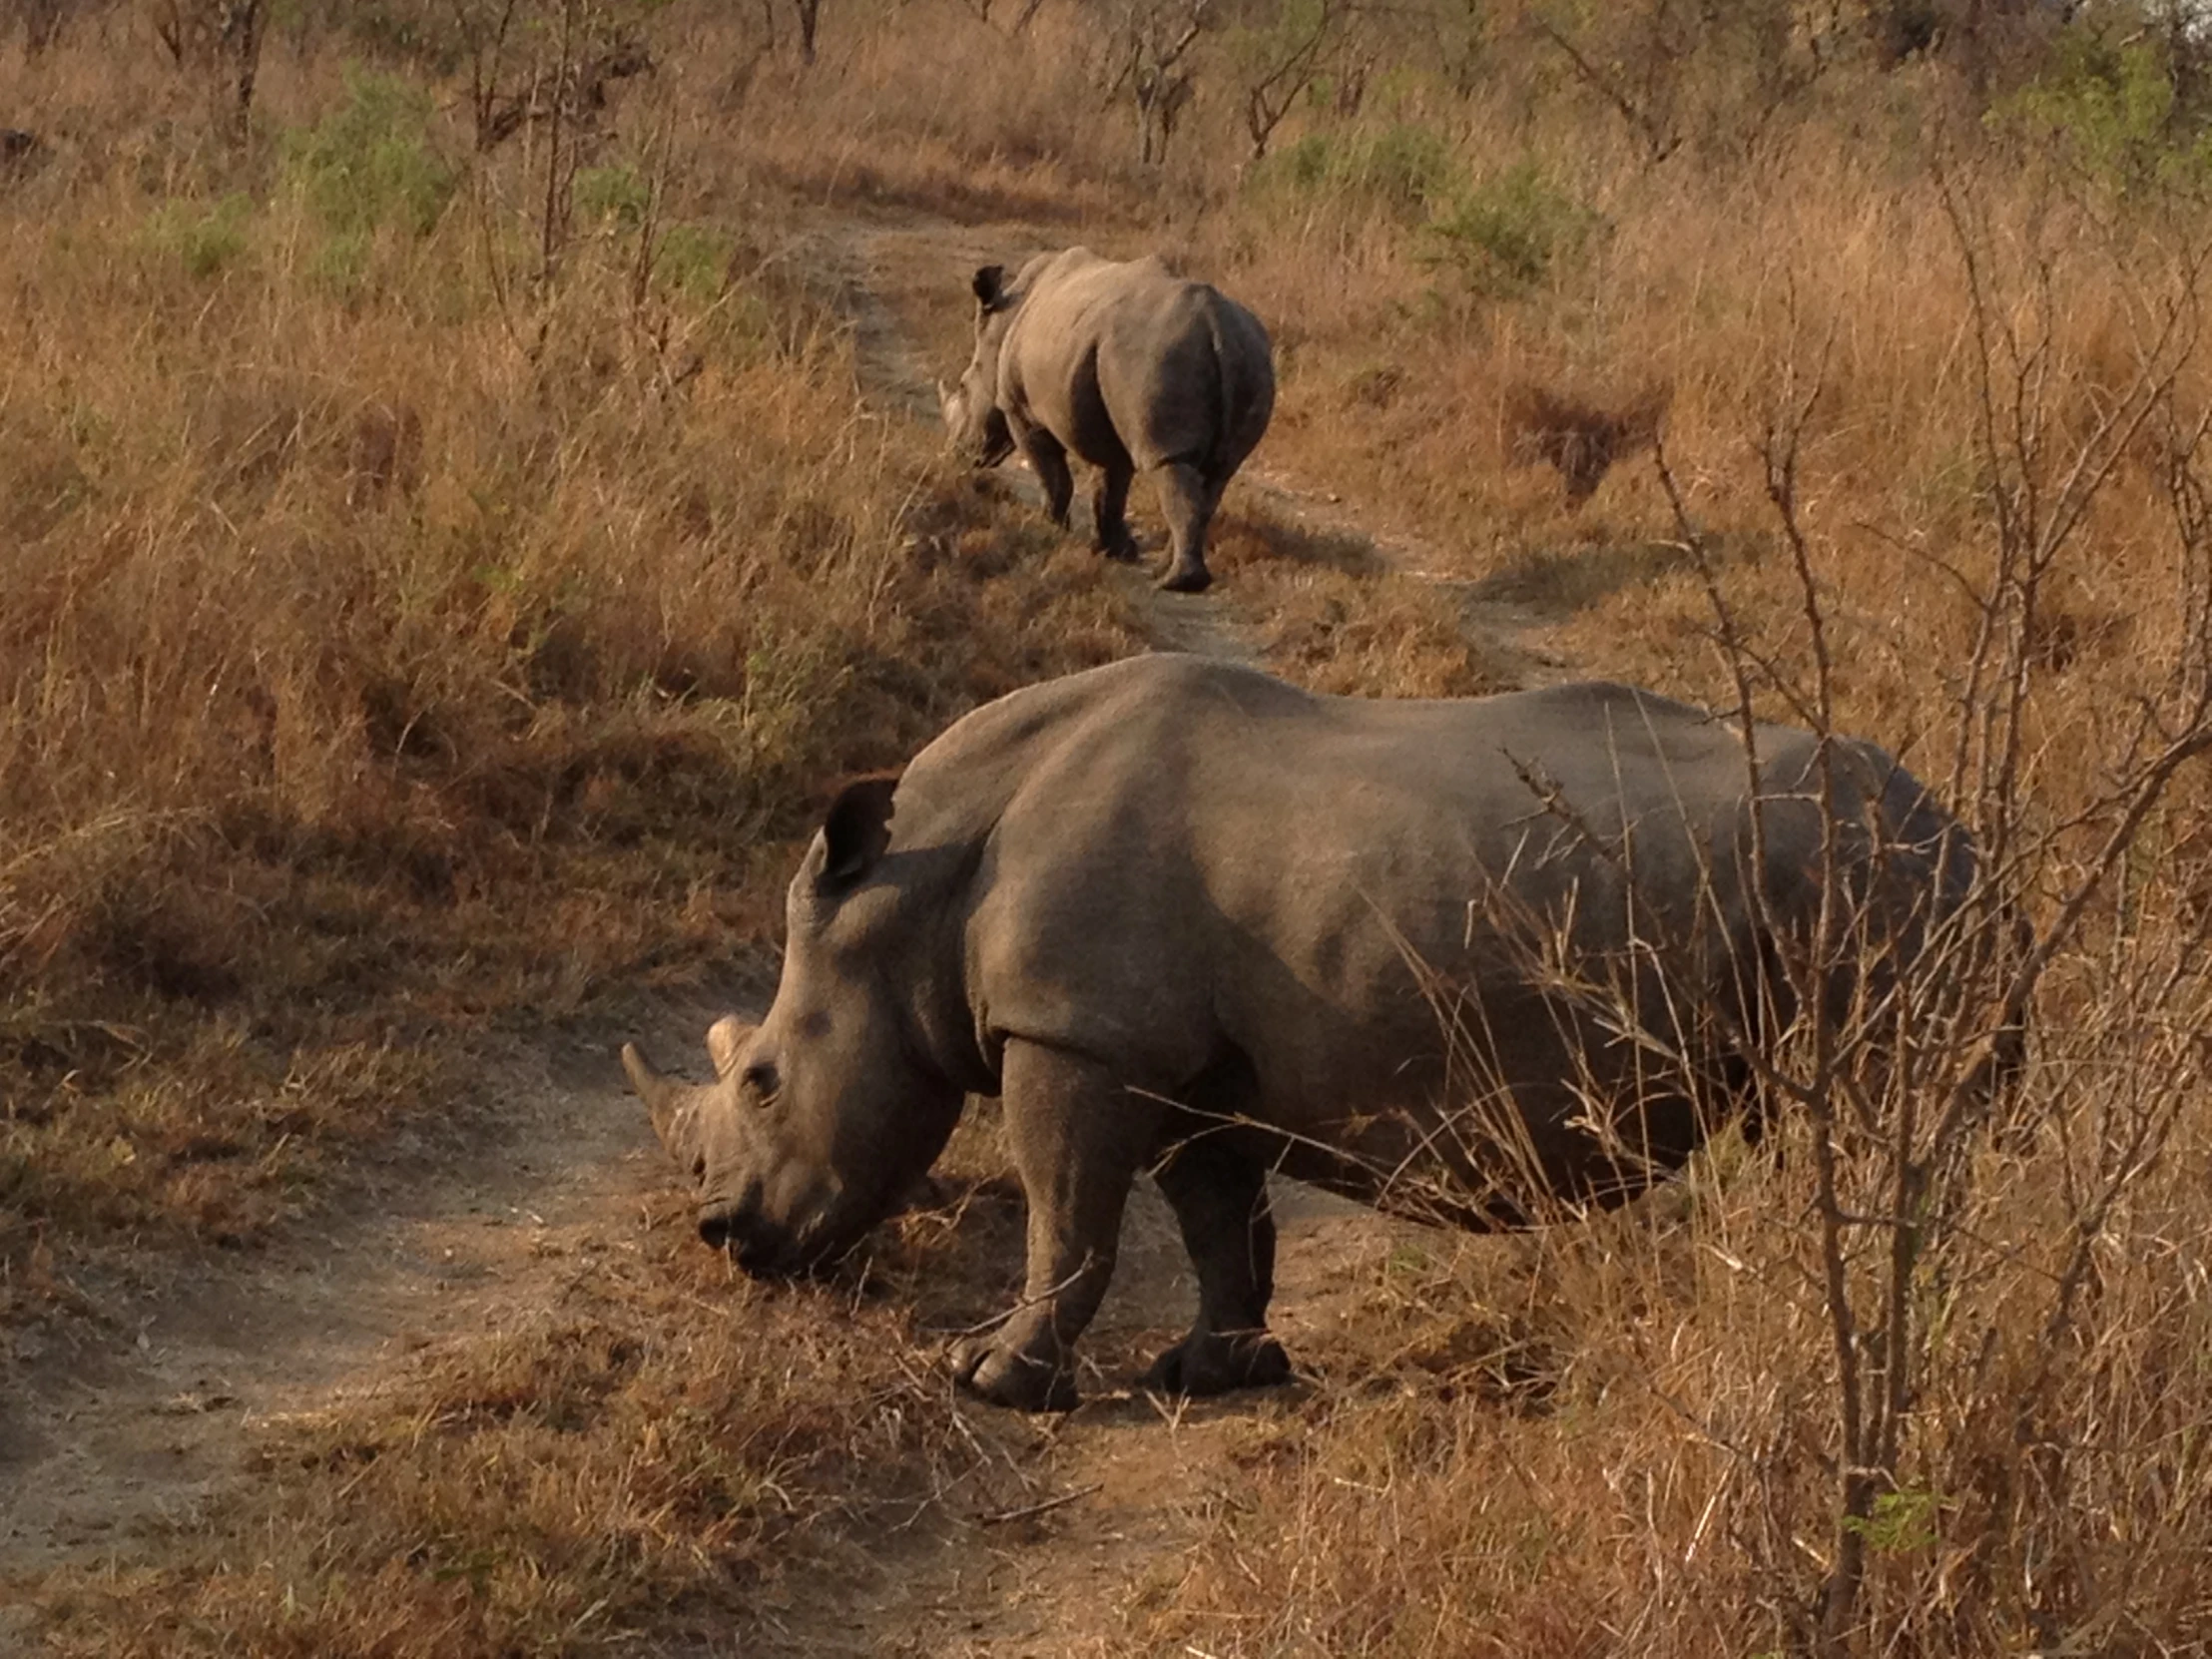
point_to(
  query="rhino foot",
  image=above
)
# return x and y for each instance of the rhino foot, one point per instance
(1012, 1378)
(1207, 1363)
(1122, 550)
(1187, 579)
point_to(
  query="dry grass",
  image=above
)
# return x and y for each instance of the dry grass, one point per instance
(1619, 1439)
(377, 666)
(1336, 618)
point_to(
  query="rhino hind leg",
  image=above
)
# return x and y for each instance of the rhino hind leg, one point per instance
(1186, 501)
(1220, 1199)
(1110, 513)
(1078, 1140)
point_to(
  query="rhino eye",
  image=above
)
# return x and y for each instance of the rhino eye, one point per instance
(760, 1080)
(699, 1169)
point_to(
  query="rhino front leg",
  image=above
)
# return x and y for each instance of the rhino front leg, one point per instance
(1048, 459)
(1079, 1139)
(1220, 1200)
(1186, 501)
(1110, 511)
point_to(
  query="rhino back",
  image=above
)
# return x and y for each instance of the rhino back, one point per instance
(1185, 852)
(1176, 863)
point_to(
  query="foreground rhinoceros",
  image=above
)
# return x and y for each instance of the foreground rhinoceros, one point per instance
(1185, 917)
(1128, 367)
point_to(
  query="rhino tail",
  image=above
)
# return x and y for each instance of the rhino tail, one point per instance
(1227, 402)
(1244, 400)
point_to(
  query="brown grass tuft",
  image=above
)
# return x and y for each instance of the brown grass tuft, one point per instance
(1579, 437)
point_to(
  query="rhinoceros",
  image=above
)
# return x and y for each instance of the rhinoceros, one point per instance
(1126, 367)
(1184, 918)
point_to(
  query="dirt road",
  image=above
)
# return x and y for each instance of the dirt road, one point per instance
(135, 1416)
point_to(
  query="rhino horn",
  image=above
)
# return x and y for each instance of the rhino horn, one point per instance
(667, 1101)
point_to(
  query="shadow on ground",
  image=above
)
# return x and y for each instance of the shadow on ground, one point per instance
(1559, 580)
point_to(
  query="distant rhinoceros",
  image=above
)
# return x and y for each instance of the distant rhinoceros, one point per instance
(1128, 367)
(1181, 917)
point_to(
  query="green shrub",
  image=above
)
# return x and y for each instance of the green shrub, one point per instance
(1505, 235)
(694, 261)
(2112, 105)
(614, 193)
(206, 238)
(1400, 169)
(369, 163)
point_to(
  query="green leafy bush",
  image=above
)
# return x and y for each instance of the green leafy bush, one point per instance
(2112, 105)
(208, 238)
(1401, 169)
(369, 163)
(693, 260)
(616, 194)
(1504, 235)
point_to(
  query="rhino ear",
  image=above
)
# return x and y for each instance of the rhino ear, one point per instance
(725, 1040)
(991, 286)
(855, 833)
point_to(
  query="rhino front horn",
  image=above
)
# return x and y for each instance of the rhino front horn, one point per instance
(664, 1097)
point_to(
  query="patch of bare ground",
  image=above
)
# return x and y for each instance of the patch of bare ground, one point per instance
(128, 1417)
(487, 1398)
(1075, 1541)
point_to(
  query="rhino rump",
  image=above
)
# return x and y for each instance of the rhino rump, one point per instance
(1130, 365)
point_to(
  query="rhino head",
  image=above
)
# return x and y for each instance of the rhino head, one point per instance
(972, 418)
(822, 1117)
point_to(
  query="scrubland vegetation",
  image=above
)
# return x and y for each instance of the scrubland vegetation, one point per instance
(448, 552)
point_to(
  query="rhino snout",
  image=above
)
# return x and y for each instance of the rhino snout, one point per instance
(735, 1224)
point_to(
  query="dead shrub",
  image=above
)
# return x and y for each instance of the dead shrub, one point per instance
(1579, 437)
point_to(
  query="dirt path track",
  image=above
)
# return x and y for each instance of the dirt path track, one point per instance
(138, 1417)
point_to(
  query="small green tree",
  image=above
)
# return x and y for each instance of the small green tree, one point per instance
(1278, 60)
(2114, 105)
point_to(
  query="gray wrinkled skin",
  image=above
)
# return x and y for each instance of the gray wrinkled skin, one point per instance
(1184, 918)
(1126, 367)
